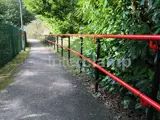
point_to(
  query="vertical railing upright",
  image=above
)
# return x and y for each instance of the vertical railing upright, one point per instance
(54, 40)
(97, 61)
(50, 38)
(61, 47)
(81, 51)
(57, 44)
(69, 46)
(155, 87)
(45, 38)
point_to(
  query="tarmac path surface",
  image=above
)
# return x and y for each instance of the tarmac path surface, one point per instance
(44, 90)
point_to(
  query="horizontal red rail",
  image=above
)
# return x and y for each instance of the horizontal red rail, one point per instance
(124, 84)
(134, 37)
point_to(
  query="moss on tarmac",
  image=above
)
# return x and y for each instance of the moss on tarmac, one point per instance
(7, 72)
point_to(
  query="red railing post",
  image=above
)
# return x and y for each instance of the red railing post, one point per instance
(97, 61)
(155, 87)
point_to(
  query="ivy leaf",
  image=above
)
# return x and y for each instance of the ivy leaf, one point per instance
(157, 31)
(138, 106)
(128, 102)
(156, 3)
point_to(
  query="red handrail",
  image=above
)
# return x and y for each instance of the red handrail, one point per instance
(133, 37)
(124, 84)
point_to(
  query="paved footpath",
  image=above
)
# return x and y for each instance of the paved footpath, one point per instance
(44, 90)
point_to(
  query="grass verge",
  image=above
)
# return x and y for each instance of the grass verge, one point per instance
(7, 72)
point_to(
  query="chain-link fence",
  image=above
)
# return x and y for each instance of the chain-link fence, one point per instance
(10, 43)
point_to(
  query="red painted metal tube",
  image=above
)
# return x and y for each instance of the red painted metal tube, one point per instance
(133, 37)
(124, 84)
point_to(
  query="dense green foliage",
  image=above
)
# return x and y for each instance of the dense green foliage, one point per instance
(10, 13)
(109, 17)
(58, 13)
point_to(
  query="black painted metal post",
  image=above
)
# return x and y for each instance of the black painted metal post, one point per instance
(97, 61)
(61, 47)
(54, 40)
(57, 43)
(80, 62)
(49, 45)
(155, 87)
(69, 46)
(45, 40)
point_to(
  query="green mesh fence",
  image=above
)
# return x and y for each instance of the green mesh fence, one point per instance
(10, 43)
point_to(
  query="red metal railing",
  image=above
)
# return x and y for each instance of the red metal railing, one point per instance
(124, 84)
(132, 37)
